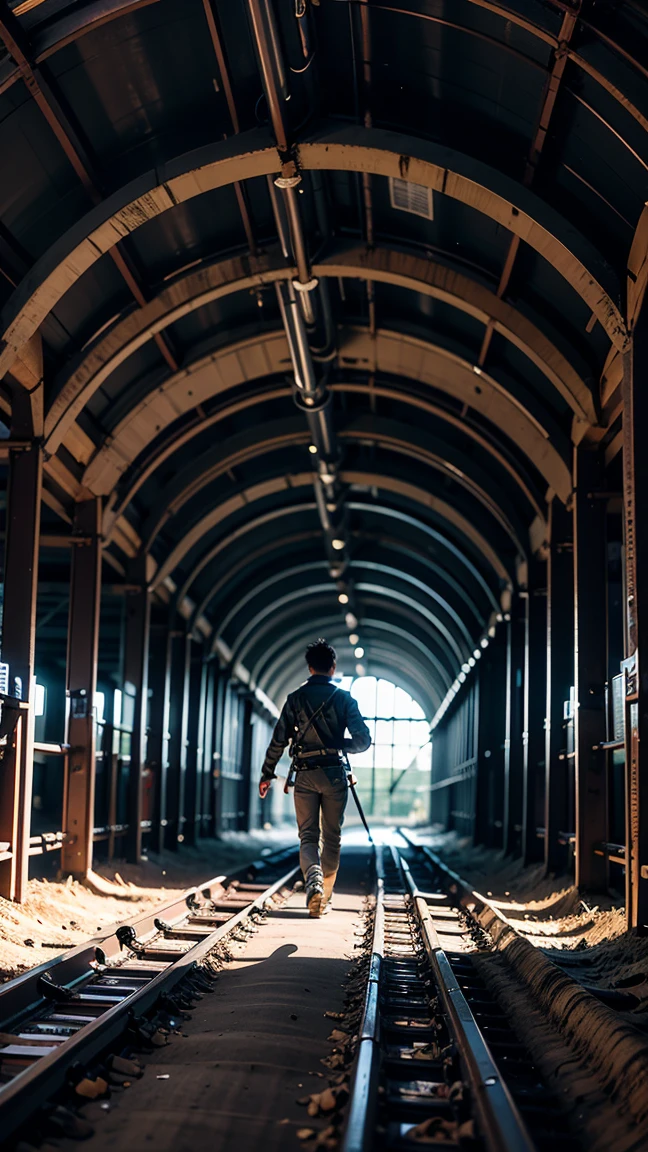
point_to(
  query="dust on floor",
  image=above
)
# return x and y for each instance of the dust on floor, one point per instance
(587, 936)
(59, 914)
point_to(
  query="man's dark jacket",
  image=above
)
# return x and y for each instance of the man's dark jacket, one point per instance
(328, 729)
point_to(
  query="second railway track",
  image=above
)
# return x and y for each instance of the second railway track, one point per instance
(438, 1060)
(60, 1019)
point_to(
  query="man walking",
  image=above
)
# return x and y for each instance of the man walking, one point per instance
(314, 719)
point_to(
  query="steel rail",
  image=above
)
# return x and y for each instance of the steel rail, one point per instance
(499, 1119)
(48, 1075)
(360, 1118)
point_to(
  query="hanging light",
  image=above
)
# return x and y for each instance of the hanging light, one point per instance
(337, 544)
(359, 653)
(343, 598)
(312, 449)
(360, 669)
(484, 641)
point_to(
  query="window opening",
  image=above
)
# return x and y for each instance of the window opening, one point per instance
(394, 774)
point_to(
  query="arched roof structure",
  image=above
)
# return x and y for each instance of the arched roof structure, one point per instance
(471, 343)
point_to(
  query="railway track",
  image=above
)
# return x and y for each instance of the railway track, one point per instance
(61, 1019)
(437, 1059)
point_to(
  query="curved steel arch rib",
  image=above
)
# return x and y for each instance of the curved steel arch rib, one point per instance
(458, 557)
(392, 353)
(438, 674)
(355, 149)
(305, 479)
(279, 545)
(396, 438)
(263, 672)
(198, 288)
(70, 25)
(116, 506)
(286, 573)
(407, 676)
(249, 634)
(434, 534)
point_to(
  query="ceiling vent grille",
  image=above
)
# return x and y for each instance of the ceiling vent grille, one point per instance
(408, 197)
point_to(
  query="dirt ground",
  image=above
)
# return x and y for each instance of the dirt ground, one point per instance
(61, 914)
(585, 936)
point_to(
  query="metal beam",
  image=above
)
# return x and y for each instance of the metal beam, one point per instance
(559, 801)
(199, 288)
(18, 645)
(126, 493)
(535, 690)
(412, 492)
(388, 434)
(157, 746)
(635, 487)
(174, 750)
(396, 354)
(136, 663)
(82, 654)
(453, 634)
(40, 89)
(590, 657)
(372, 150)
(70, 26)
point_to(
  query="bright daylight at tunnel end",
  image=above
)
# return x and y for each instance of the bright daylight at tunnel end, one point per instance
(324, 575)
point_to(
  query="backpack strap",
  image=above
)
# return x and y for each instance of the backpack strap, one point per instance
(300, 735)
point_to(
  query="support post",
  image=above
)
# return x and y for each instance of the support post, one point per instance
(176, 712)
(136, 661)
(491, 745)
(560, 678)
(83, 647)
(194, 742)
(590, 654)
(156, 742)
(635, 487)
(518, 629)
(18, 642)
(207, 728)
(534, 713)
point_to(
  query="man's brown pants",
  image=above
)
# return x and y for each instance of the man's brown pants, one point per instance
(320, 800)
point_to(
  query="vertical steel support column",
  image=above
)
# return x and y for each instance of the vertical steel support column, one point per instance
(220, 693)
(635, 488)
(535, 677)
(560, 677)
(506, 802)
(489, 828)
(518, 629)
(194, 742)
(136, 666)
(156, 744)
(207, 823)
(83, 646)
(590, 648)
(18, 641)
(176, 712)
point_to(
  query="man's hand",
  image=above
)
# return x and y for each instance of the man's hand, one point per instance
(264, 788)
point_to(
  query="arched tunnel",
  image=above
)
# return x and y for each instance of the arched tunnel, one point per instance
(325, 318)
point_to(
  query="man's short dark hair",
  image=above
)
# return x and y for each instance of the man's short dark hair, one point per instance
(321, 656)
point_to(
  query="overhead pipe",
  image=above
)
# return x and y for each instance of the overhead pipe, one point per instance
(274, 76)
(297, 299)
(268, 48)
(312, 397)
